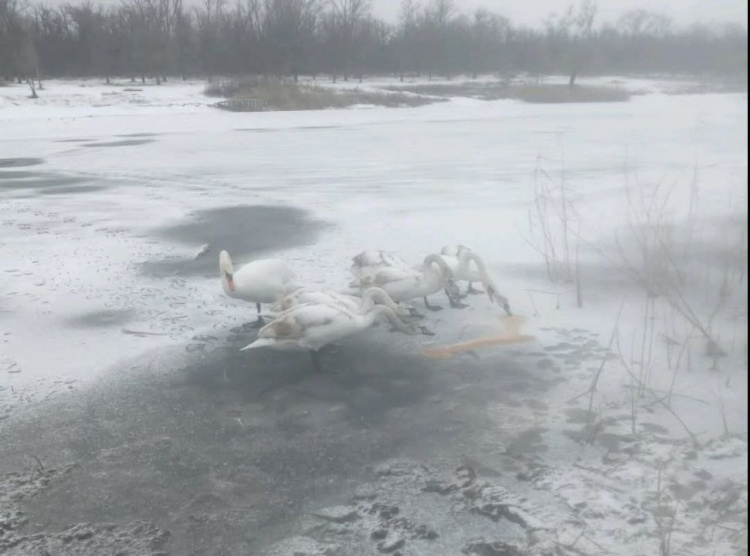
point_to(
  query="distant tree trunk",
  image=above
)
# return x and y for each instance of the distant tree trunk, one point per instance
(143, 79)
(572, 80)
(30, 81)
(20, 79)
(132, 78)
(158, 80)
(107, 79)
(401, 76)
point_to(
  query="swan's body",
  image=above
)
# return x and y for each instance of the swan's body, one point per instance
(311, 326)
(372, 260)
(460, 266)
(451, 254)
(404, 283)
(348, 302)
(261, 281)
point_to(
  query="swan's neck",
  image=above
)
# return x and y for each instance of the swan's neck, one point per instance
(466, 257)
(436, 275)
(390, 314)
(377, 294)
(227, 273)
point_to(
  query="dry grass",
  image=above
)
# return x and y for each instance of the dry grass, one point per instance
(539, 93)
(282, 95)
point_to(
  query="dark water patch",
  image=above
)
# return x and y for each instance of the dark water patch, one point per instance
(123, 143)
(244, 231)
(102, 318)
(210, 458)
(46, 183)
(228, 451)
(16, 175)
(19, 162)
(72, 189)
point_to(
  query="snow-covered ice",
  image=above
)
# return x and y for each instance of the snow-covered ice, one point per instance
(115, 173)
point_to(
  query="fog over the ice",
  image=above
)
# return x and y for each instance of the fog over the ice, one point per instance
(534, 12)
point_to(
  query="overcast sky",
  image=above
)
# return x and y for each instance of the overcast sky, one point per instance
(531, 12)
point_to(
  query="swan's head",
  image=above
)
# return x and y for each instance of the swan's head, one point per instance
(226, 269)
(498, 298)
(452, 291)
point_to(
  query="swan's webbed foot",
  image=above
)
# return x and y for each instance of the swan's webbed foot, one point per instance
(413, 313)
(259, 323)
(456, 303)
(431, 307)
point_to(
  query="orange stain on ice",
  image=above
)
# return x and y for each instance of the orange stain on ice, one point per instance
(510, 334)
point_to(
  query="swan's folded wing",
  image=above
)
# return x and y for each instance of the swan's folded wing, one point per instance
(392, 274)
(309, 316)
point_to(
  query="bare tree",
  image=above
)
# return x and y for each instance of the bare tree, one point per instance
(571, 33)
(289, 27)
(12, 37)
(160, 38)
(347, 16)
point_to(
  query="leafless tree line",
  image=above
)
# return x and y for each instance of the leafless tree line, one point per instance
(341, 38)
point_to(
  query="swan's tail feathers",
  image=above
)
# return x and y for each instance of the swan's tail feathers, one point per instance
(259, 343)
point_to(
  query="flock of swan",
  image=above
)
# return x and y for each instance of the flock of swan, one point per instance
(304, 319)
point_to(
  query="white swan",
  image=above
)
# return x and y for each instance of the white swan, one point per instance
(261, 281)
(462, 274)
(313, 325)
(348, 302)
(369, 261)
(460, 266)
(404, 283)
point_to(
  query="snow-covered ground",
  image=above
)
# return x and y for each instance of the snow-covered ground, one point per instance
(100, 185)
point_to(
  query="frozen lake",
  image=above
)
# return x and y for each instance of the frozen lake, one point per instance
(109, 321)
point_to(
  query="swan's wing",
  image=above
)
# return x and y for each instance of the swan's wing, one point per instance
(377, 258)
(299, 321)
(367, 258)
(330, 298)
(368, 262)
(273, 343)
(390, 259)
(387, 275)
(265, 270)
